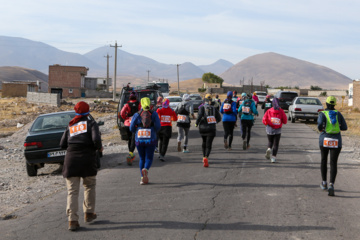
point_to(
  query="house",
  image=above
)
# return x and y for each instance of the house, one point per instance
(95, 83)
(354, 94)
(68, 81)
(19, 88)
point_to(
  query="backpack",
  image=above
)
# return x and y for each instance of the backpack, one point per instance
(134, 106)
(246, 108)
(227, 106)
(146, 121)
(182, 110)
(209, 115)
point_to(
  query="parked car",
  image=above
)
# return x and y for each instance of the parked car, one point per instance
(42, 142)
(305, 108)
(285, 98)
(151, 92)
(174, 101)
(261, 95)
(196, 100)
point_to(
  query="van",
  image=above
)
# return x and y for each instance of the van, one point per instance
(285, 98)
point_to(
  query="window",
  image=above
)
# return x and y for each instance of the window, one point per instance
(70, 90)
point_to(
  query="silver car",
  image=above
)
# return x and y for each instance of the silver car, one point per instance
(261, 95)
(174, 101)
(305, 108)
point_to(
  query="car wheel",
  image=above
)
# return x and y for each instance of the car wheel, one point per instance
(292, 118)
(289, 116)
(31, 170)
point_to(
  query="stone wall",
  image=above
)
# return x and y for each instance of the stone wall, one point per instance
(49, 98)
(335, 93)
(356, 94)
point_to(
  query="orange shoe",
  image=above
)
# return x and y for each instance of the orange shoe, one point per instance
(206, 162)
(145, 179)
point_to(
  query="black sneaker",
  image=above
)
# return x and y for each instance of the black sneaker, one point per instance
(162, 158)
(331, 190)
(244, 145)
(323, 186)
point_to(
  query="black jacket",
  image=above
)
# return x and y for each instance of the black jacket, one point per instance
(201, 120)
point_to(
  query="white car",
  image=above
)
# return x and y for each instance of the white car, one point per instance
(305, 108)
(261, 95)
(174, 101)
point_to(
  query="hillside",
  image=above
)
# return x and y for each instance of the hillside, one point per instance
(9, 74)
(279, 70)
(190, 86)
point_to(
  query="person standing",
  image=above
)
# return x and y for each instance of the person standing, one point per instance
(229, 117)
(81, 140)
(166, 115)
(267, 104)
(330, 123)
(126, 113)
(273, 119)
(247, 110)
(208, 117)
(183, 111)
(145, 124)
(217, 99)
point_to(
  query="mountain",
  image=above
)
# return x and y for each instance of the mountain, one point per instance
(10, 74)
(36, 55)
(279, 70)
(217, 67)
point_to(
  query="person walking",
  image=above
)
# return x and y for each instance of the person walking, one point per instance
(247, 110)
(166, 115)
(208, 117)
(155, 108)
(183, 111)
(126, 113)
(145, 124)
(229, 117)
(273, 119)
(267, 104)
(217, 99)
(330, 123)
(256, 99)
(81, 140)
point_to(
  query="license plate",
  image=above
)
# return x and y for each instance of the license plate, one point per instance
(56, 154)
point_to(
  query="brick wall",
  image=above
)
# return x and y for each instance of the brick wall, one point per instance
(356, 94)
(10, 89)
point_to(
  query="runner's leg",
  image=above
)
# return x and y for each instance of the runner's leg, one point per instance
(334, 155)
(324, 155)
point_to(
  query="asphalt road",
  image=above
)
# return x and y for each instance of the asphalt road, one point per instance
(240, 196)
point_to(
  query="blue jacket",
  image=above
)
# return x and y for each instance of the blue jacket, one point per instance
(229, 117)
(248, 116)
(136, 121)
(322, 124)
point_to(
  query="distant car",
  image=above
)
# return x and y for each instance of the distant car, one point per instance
(174, 101)
(42, 142)
(305, 108)
(196, 100)
(261, 95)
(285, 98)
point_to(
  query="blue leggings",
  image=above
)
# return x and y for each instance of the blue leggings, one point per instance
(146, 154)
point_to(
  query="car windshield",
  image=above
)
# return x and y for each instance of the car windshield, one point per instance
(261, 93)
(195, 98)
(308, 101)
(54, 121)
(175, 99)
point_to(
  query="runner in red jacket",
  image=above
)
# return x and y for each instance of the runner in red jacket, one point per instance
(166, 115)
(273, 119)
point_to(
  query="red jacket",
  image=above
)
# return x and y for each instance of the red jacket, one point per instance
(256, 99)
(166, 115)
(275, 118)
(126, 112)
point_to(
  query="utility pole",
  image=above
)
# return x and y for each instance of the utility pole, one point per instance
(177, 65)
(107, 72)
(114, 84)
(148, 71)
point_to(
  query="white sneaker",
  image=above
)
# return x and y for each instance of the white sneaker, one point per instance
(273, 159)
(268, 153)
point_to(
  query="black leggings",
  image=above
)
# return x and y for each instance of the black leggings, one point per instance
(229, 131)
(274, 143)
(334, 155)
(131, 141)
(164, 137)
(246, 126)
(207, 144)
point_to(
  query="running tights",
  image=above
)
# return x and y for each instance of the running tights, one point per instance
(274, 143)
(334, 155)
(246, 126)
(131, 141)
(207, 144)
(164, 142)
(146, 155)
(229, 131)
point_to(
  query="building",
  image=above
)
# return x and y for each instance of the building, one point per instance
(19, 88)
(68, 81)
(95, 83)
(354, 95)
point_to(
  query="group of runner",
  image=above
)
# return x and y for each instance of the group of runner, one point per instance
(151, 129)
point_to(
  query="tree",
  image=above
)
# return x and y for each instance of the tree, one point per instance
(212, 78)
(315, 87)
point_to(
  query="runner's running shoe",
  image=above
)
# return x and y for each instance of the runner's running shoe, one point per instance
(331, 190)
(323, 186)
(225, 144)
(273, 159)
(128, 160)
(144, 179)
(268, 153)
(162, 158)
(186, 151)
(244, 145)
(156, 150)
(206, 162)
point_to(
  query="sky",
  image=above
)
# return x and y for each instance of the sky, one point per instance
(324, 32)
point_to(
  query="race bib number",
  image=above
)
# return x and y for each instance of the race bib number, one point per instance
(331, 143)
(144, 133)
(211, 120)
(78, 128)
(181, 118)
(245, 109)
(165, 119)
(275, 121)
(227, 106)
(268, 105)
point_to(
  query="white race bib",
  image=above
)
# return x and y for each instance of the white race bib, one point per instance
(245, 109)
(268, 105)
(227, 106)
(78, 128)
(276, 121)
(144, 133)
(211, 120)
(331, 143)
(165, 119)
(181, 118)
